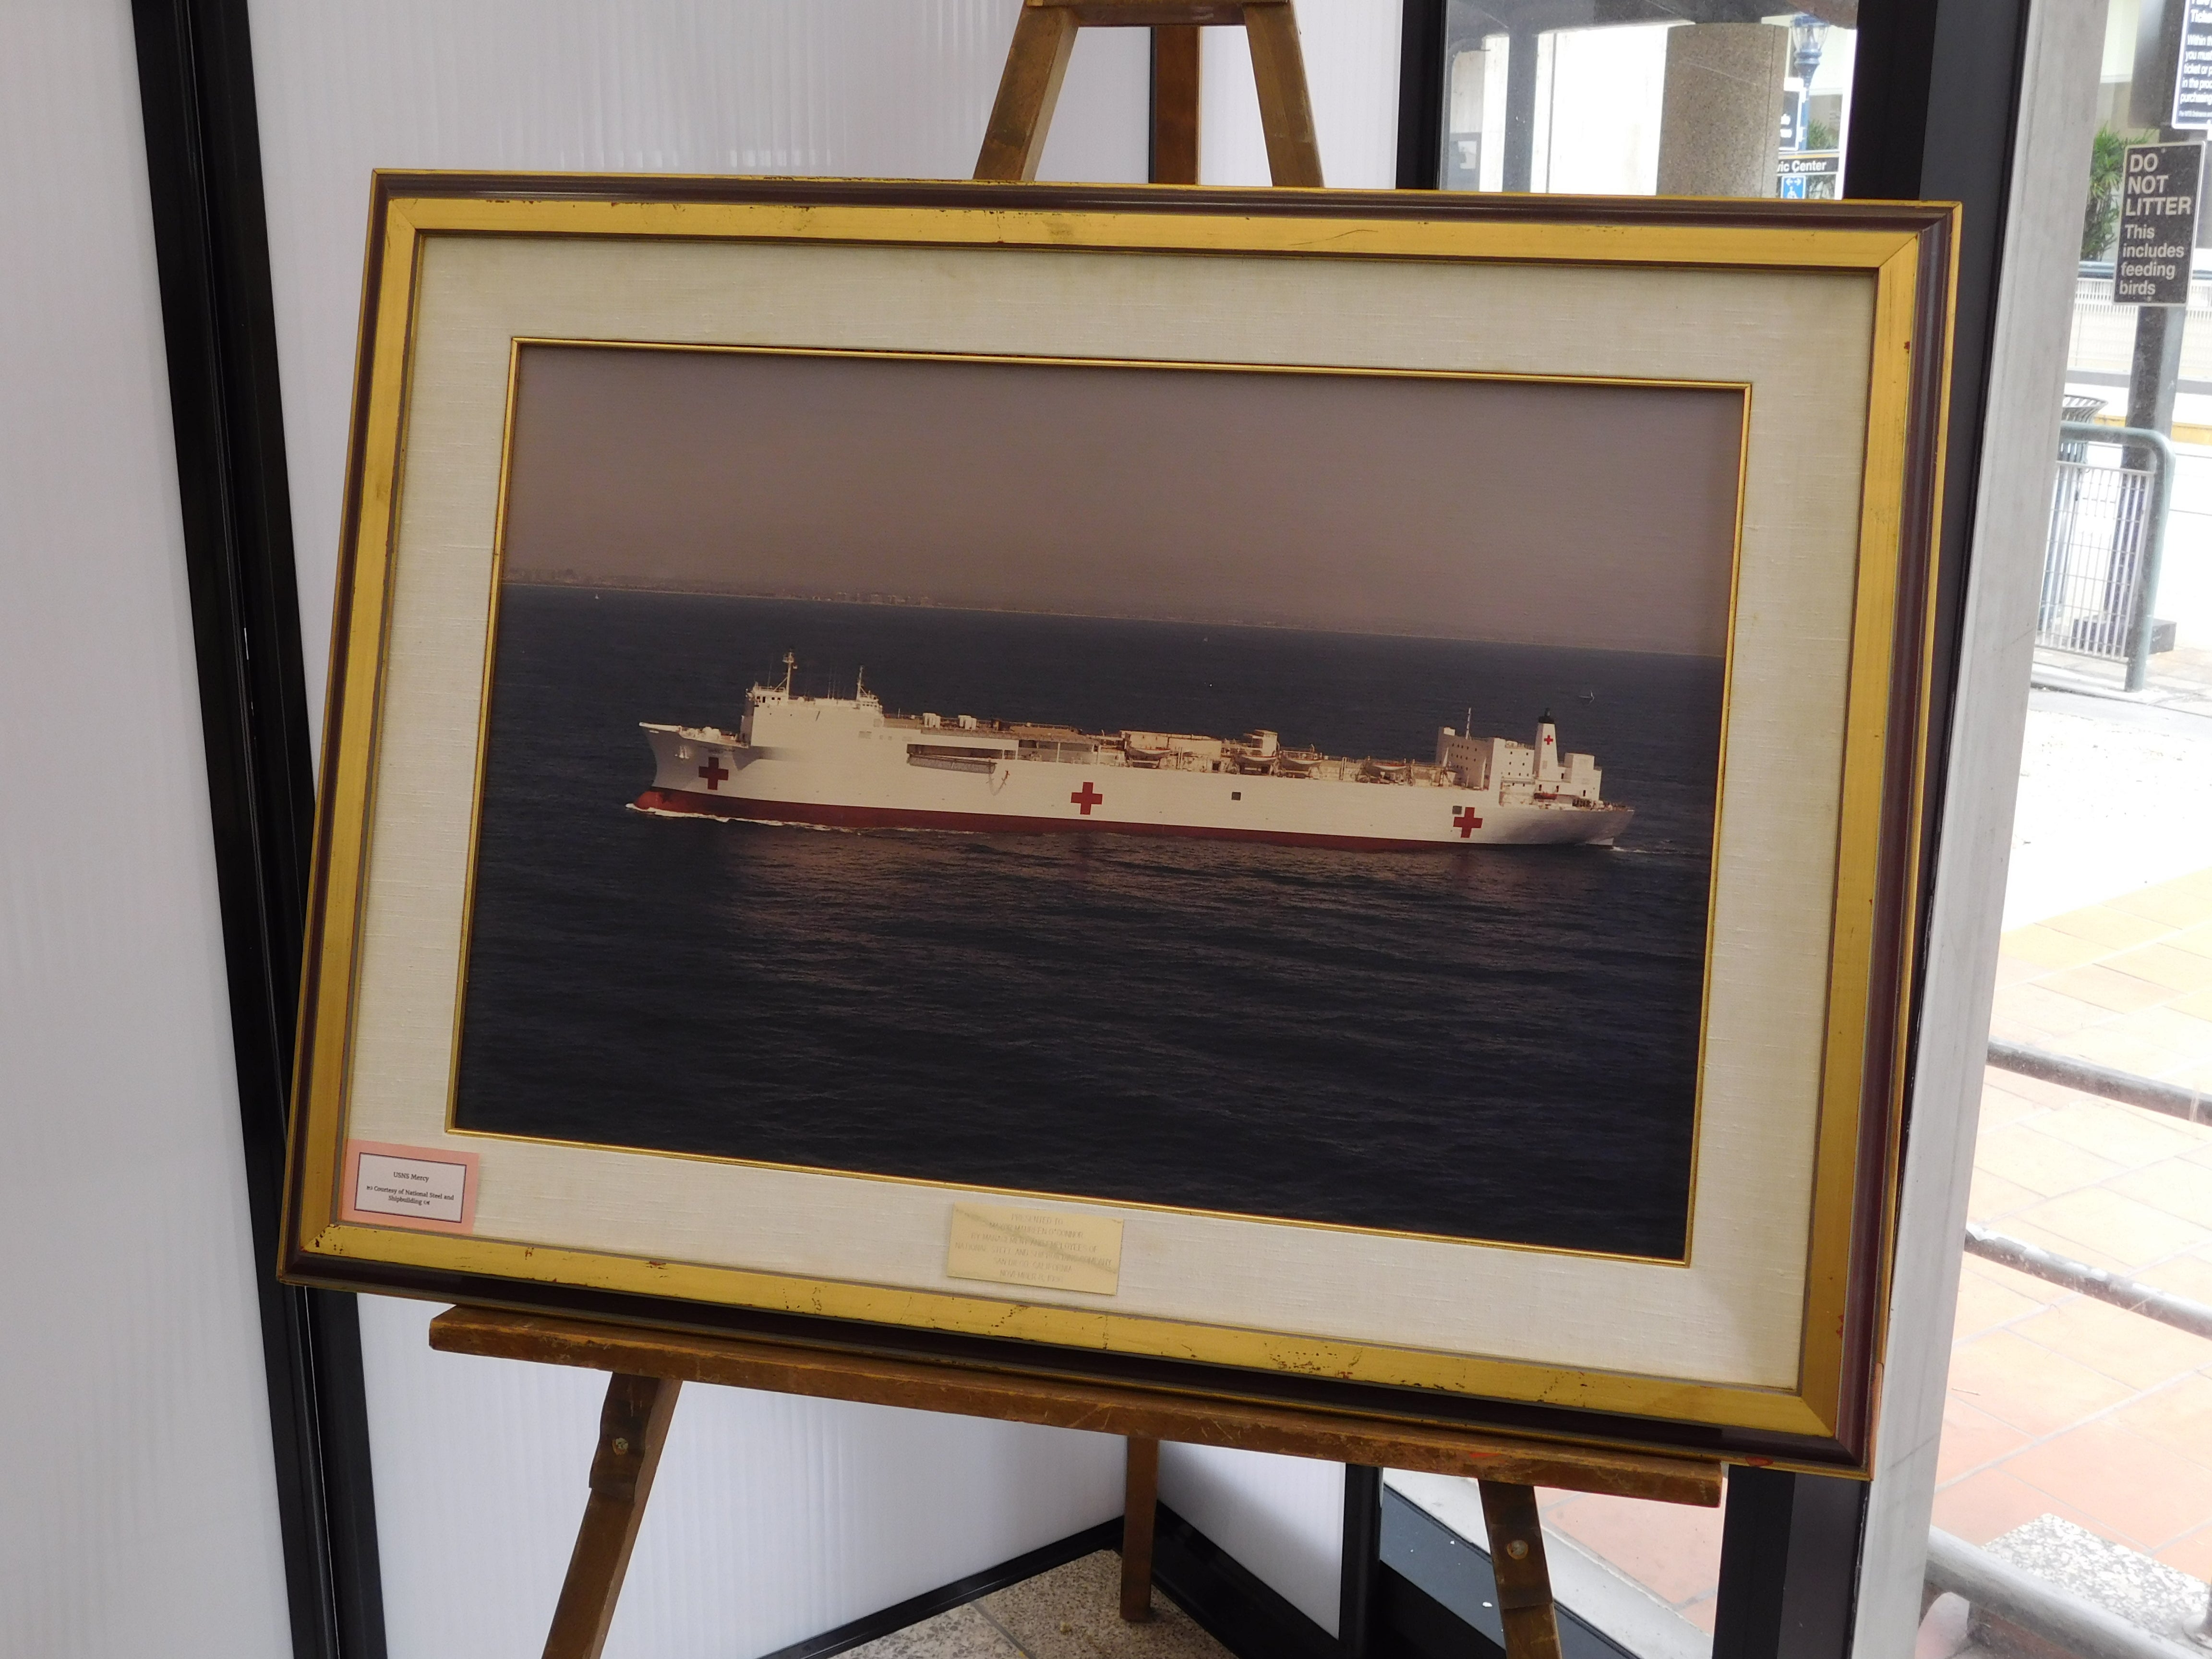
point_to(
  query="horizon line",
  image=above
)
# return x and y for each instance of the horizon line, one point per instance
(537, 578)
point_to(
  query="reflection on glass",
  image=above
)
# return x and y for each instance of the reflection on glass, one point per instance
(1549, 95)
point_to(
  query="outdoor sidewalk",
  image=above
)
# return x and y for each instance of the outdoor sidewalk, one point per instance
(2061, 1404)
(2180, 679)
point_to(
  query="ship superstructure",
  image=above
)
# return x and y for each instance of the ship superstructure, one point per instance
(843, 763)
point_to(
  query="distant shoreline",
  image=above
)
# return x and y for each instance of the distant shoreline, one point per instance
(536, 578)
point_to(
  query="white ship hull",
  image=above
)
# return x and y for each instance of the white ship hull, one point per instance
(841, 763)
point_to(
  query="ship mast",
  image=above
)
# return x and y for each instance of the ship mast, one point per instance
(790, 662)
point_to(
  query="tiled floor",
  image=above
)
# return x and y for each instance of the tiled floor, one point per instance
(2128, 982)
(1673, 1553)
(1071, 1613)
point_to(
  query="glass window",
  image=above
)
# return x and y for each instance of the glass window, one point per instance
(1639, 108)
(2077, 1439)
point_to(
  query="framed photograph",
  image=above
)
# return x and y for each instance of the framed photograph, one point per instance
(1315, 793)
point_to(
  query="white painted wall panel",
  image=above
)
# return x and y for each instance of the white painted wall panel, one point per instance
(774, 1519)
(1283, 1517)
(1352, 74)
(137, 1508)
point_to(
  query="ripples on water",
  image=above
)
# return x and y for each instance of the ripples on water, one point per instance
(1488, 1043)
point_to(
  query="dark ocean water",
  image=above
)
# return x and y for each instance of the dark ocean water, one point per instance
(1489, 1042)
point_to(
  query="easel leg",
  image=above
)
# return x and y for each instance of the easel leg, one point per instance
(1140, 1506)
(1175, 104)
(1036, 65)
(1285, 111)
(1524, 1582)
(633, 1428)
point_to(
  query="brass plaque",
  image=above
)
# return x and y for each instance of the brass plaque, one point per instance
(1053, 1249)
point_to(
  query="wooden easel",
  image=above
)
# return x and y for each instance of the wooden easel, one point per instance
(650, 1367)
(1037, 61)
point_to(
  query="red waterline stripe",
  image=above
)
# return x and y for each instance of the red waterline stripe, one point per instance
(884, 817)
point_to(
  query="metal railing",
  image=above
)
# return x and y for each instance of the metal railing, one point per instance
(2191, 1105)
(2181, 1312)
(2068, 1623)
(2107, 542)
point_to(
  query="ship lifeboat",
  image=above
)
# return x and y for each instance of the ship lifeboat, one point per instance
(1293, 765)
(1142, 755)
(1387, 771)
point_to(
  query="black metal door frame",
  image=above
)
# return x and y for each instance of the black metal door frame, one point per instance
(211, 250)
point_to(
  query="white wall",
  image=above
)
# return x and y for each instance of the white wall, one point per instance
(137, 1508)
(1283, 1517)
(1351, 49)
(774, 1518)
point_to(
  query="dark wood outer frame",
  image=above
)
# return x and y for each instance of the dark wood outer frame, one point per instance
(1900, 898)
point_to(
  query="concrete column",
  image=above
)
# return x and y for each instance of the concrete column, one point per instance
(1720, 123)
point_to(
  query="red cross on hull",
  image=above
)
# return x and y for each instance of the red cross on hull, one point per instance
(1086, 798)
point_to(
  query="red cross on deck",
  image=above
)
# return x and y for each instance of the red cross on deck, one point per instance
(1466, 822)
(713, 771)
(1086, 798)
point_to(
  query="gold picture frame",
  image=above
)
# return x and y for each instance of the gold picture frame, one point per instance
(1889, 267)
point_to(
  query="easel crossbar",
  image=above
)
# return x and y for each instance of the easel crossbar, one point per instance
(1135, 1411)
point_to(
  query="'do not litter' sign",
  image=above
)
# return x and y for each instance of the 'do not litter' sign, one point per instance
(2159, 201)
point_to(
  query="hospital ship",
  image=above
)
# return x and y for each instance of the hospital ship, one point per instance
(842, 762)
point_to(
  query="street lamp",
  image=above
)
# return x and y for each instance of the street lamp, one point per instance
(1807, 34)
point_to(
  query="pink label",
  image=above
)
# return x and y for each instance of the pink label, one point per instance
(389, 1186)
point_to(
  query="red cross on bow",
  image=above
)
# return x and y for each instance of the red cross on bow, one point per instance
(1086, 798)
(713, 771)
(1466, 822)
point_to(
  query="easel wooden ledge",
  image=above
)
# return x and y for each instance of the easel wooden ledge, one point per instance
(650, 1367)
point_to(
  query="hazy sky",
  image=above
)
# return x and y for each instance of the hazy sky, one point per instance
(1596, 516)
